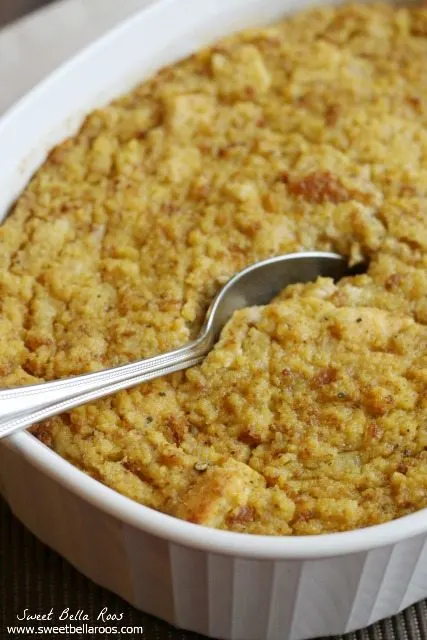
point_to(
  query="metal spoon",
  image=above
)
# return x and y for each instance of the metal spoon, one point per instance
(23, 406)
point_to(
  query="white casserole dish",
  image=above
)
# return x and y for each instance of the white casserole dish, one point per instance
(221, 584)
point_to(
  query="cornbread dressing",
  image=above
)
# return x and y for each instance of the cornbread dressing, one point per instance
(309, 415)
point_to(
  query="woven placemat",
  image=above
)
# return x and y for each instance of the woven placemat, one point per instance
(33, 576)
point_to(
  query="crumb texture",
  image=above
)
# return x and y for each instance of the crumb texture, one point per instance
(308, 416)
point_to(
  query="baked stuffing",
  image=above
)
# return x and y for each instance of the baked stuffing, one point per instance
(309, 414)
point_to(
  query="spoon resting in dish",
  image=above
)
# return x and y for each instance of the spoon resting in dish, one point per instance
(256, 285)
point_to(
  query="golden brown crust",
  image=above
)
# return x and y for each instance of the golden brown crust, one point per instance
(307, 417)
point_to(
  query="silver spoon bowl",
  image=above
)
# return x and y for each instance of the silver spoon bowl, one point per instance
(256, 285)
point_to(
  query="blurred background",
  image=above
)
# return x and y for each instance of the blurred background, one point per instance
(13, 9)
(38, 35)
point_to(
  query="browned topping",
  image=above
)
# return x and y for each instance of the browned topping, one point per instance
(243, 515)
(251, 438)
(308, 416)
(303, 516)
(43, 432)
(394, 281)
(374, 431)
(284, 177)
(415, 102)
(332, 113)
(319, 187)
(325, 376)
(178, 429)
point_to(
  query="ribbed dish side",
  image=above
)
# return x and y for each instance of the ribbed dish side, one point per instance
(219, 596)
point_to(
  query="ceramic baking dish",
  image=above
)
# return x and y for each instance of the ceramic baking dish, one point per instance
(221, 584)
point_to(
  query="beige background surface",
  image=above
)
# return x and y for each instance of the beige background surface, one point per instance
(34, 45)
(12, 9)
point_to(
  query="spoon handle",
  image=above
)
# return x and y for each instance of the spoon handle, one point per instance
(21, 407)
